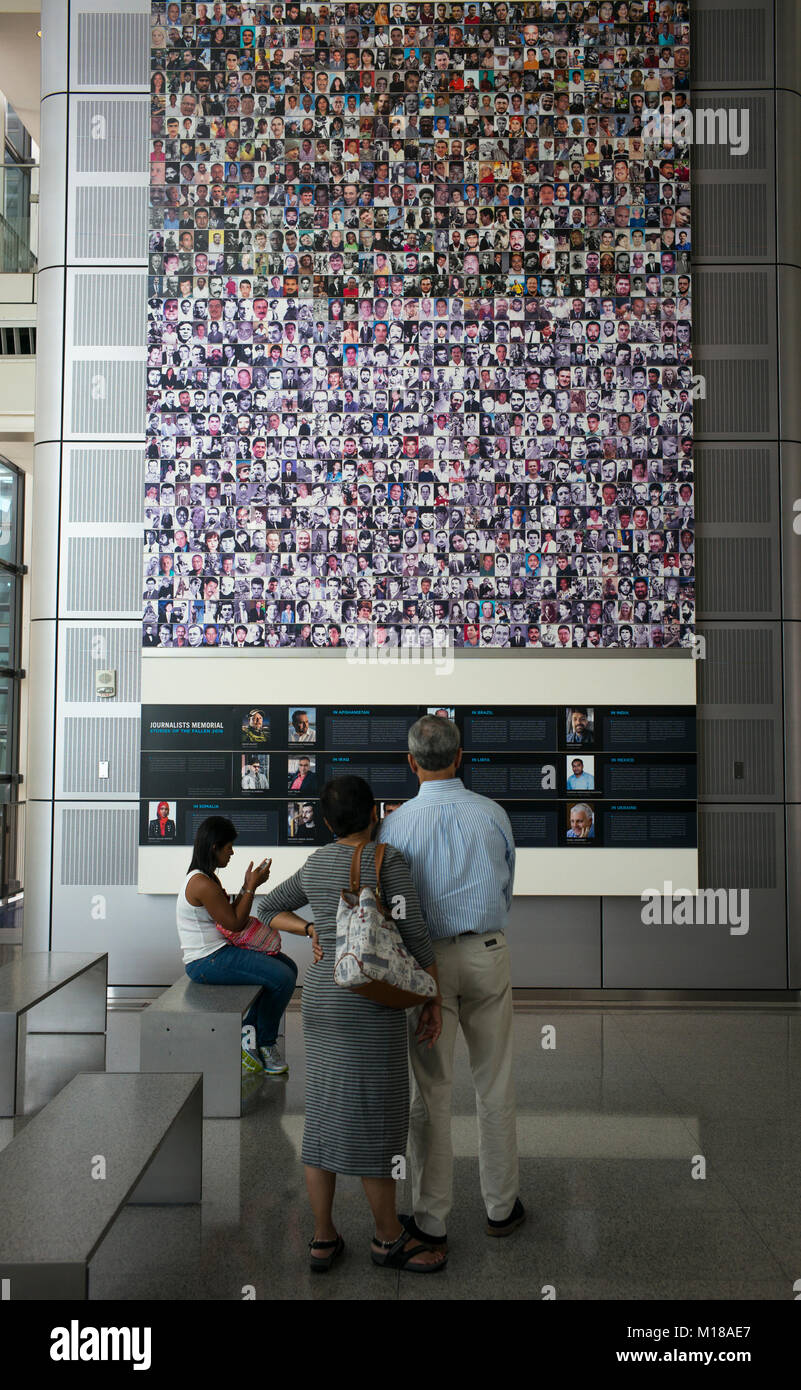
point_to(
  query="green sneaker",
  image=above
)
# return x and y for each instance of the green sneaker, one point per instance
(250, 1063)
(250, 1057)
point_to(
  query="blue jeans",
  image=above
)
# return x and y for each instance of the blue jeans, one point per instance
(232, 965)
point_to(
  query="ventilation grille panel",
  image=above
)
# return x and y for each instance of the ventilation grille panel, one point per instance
(17, 341)
(725, 743)
(707, 158)
(106, 485)
(91, 649)
(113, 50)
(730, 45)
(120, 409)
(735, 575)
(731, 220)
(740, 667)
(737, 849)
(87, 742)
(112, 136)
(734, 485)
(109, 310)
(740, 397)
(731, 307)
(110, 223)
(99, 847)
(104, 575)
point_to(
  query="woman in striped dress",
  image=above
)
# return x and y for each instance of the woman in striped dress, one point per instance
(357, 1069)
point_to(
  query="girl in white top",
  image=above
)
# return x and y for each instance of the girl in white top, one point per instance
(197, 930)
(209, 959)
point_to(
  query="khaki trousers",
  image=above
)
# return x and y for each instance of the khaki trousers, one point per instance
(477, 994)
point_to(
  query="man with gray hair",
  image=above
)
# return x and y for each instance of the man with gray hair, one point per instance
(460, 849)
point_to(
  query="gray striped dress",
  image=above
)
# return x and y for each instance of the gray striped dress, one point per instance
(357, 1074)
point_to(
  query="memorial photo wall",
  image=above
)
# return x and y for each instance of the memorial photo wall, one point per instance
(574, 776)
(419, 328)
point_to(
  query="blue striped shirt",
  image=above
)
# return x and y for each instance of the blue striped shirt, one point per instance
(461, 852)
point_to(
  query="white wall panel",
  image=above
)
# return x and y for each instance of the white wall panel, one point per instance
(41, 703)
(38, 876)
(49, 355)
(45, 495)
(93, 915)
(54, 23)
(53, 184)
(536, 678)
(538, 873)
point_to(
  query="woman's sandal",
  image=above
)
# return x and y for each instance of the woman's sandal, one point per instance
(320, 1264)
(398, 1258)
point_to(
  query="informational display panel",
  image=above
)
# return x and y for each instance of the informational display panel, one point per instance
(581, 777)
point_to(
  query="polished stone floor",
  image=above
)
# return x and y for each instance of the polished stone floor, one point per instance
(613, 1123)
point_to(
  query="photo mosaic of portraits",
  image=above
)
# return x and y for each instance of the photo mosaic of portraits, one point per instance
(419, 345)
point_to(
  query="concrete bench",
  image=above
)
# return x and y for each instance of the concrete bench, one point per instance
(55, 1209)
(199, 1027)
(47, 992)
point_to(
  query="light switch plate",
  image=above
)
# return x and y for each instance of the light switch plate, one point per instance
(102, 769)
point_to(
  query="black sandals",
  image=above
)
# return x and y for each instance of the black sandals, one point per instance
(320, 1264)
(395, 1257)
(432, 1242)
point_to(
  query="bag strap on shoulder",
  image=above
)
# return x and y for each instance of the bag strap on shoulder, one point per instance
(356, 868)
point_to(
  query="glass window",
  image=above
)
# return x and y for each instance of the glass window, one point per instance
(8, 619)
(12, 499)
(11, 847)
(7, 701)
(9, 515)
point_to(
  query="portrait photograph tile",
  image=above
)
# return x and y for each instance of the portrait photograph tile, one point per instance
(419, 338)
